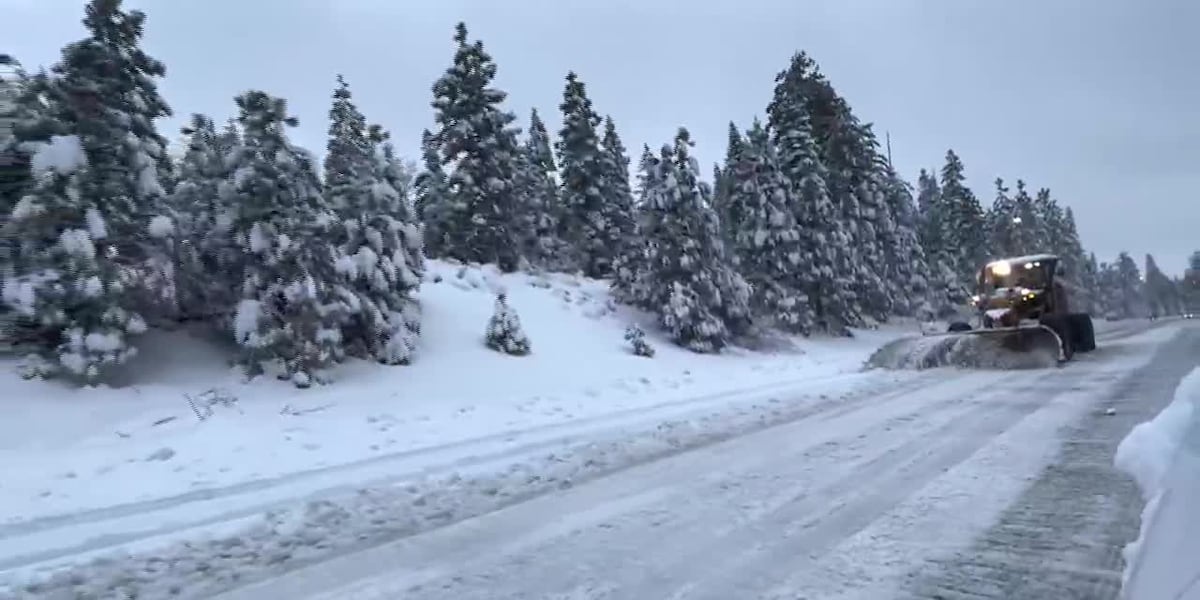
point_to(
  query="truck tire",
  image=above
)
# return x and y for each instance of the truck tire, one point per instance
(1085, 332)
(958, 326)
(1061, 324)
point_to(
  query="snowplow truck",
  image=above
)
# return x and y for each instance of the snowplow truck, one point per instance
(1022, 321)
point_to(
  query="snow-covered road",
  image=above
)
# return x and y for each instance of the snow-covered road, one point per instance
(805, 484)
(869, 498)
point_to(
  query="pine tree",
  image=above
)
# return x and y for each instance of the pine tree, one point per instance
(99, 219)
(1001, 223)
(1126, 287)
(619, 213)
(475, 219)
(847, 150)
(378, 242)
(631, 270)
(731, 218)
(1191, 284)
(830, 291)
(700, 300)
(15, 179)
(433, 200)
(543, 210)
(909, 270)
(202, 222)
(932, 214)
(637, 342)
(346, 150)
(581, 158)
(1048, 228)
(1029, 227)
(946, 288)
(1161, 295)
(1090, 283)
(965, 234)
(504, 332)
(291, 313)
(768, 243)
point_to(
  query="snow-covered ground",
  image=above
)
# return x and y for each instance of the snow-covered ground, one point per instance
(1163, 455)
(181, 441)
(183, 449)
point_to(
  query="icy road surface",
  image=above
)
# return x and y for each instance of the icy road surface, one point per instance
(953, 485)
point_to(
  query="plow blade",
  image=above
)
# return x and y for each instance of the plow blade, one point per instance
(1034, 347)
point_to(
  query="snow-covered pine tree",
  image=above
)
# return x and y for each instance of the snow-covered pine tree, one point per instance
(908, 270)
(965, 234)
(1190, 292)
(946, 288)
(543, 210)
(100, 217)
(1126, 287)
(104, 90)
(637, 342)
(1028, 232)
(723, 186)
(581, 160)
(847, 152)
(18, 108)
(1001, 223)
(346, 151)
(290, 314)
(932, 214)
(631, 270)
(769, 245)
(619, 213)
(1049, 227)
(877, 223)
(432, 198)
(1089, 281)
(203, 288)
(829, 254)
(379, 244)
(504, 331)
(699, 299)
(1162, 297)
(479, 150)
(68, 293)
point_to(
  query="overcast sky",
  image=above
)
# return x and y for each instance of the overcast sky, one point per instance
(1098, 100)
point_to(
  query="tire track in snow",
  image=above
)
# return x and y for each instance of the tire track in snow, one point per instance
(1062, 538)
(810, 452)
(791, 537)
(760, 417)
(41, 540)
(556, 434)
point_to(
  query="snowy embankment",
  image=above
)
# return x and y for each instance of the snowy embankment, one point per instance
(184, 444)
(1163, 455)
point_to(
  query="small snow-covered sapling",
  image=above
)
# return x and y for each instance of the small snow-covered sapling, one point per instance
(504, 332)
(637, 338)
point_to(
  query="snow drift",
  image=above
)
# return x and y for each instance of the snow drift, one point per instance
(1163, 456)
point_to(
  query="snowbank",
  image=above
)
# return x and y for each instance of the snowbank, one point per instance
(1163, 455)
(181, 421)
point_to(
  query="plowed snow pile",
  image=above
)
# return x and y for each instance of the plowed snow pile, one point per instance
(1163, 455)
(965, 351)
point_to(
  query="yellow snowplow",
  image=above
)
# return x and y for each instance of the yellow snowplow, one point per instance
(1022, 321)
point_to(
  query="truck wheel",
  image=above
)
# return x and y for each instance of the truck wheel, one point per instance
(1061, 325)
(1085, 332)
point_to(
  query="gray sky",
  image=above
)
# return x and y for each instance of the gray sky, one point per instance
(1098, 100)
